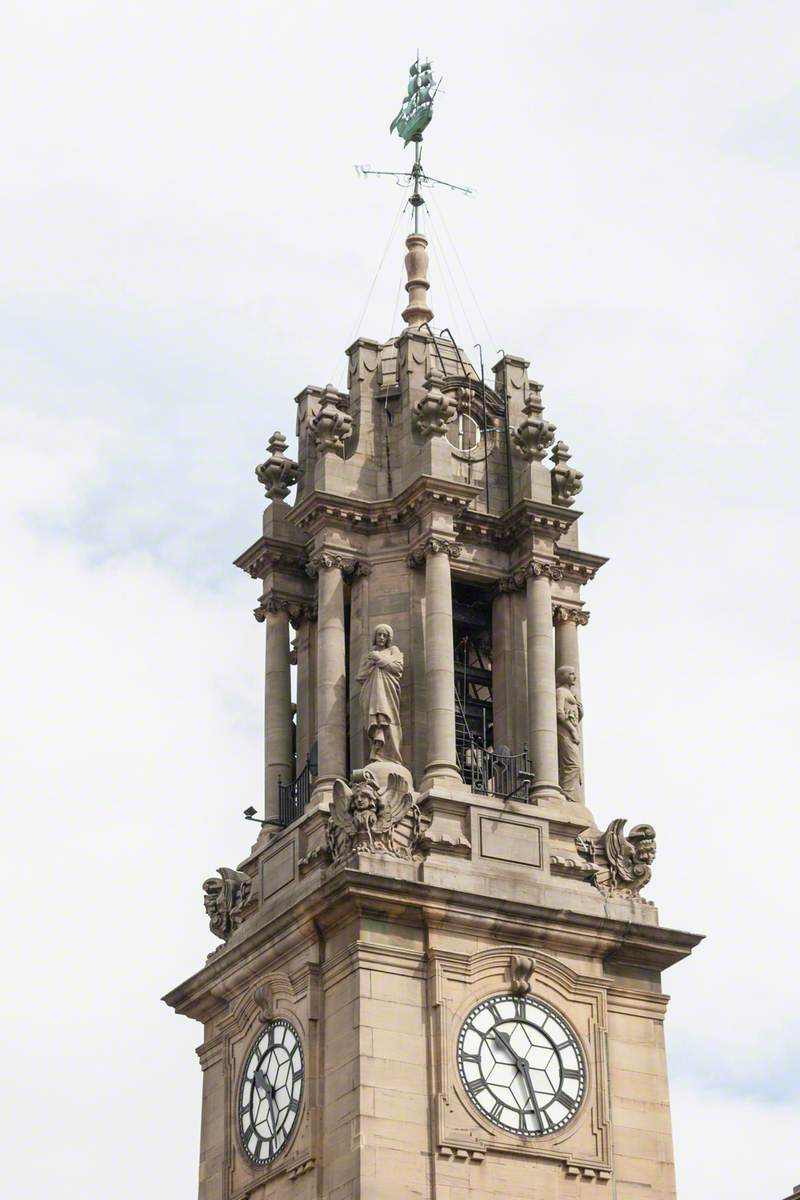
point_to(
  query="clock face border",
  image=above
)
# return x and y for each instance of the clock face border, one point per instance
(253, 1049)
(570, 1043)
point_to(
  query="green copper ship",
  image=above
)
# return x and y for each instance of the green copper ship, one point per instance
(417, 108)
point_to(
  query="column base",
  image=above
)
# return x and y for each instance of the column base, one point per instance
(441, 774)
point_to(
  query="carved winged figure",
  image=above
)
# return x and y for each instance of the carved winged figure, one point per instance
(224, 900)
(630, 858)
(363, 817)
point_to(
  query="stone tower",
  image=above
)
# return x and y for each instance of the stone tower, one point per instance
(438, 977)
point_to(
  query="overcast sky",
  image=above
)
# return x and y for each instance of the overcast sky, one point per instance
(185, 246)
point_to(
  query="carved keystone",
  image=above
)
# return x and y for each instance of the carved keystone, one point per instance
(520, 971)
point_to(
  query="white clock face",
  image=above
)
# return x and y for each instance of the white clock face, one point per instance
(521, 1065)
(271, 1092)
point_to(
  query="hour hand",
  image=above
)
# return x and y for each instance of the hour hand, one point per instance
(261, 1081)
(505, 1040)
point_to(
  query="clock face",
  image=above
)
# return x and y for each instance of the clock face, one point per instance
(521, 1065)
(271, 1091)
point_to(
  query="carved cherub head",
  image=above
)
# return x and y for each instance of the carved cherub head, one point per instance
(383, 636)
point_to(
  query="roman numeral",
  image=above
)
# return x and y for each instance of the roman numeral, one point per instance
(496, 1111)
(569, 1073)
(495, 1012)
(519, 1008)
(477, 1085)
(564, 1099)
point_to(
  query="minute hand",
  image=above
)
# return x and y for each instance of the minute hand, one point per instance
(522, 1065)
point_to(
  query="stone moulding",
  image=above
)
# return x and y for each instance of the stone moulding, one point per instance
(298, 610)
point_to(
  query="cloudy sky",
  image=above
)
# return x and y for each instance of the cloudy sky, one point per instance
(185, 246)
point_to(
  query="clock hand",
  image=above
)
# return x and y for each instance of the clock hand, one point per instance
(261, 1081)
(523, 1066)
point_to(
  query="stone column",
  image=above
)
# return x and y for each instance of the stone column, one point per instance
(331, 698)
(279, 758)
(440, 677)
(502, 669)
(306, 682)
(543, 735)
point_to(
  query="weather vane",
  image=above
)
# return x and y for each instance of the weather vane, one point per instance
(410, 123)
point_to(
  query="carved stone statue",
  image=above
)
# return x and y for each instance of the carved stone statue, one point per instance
(224, 900)
(364, 817)
(569, 712)
(622, 863)
(379, 676)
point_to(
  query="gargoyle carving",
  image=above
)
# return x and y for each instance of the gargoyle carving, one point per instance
(364, 817)
(224, 900)
(623, 862)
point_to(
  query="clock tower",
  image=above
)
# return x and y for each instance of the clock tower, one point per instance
(439, 976)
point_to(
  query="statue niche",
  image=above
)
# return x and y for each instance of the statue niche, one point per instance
(569, 714)
(380, 674)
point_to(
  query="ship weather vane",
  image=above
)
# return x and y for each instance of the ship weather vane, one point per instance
(410, 123)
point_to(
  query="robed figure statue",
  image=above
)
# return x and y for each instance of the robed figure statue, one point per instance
(569, 714)
(379, 676)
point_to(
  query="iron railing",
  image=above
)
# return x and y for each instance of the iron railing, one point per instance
(293, 797)
(490, 772)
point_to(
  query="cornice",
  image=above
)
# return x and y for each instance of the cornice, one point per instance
(271, 552)
(425, 494)
(579, 565)
(267, 944)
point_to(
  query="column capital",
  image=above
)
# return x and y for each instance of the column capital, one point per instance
(434, 545)
(536, 567)
(562, 613)
(328, 560)
(297, 610)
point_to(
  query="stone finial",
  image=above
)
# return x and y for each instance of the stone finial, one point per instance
(566, 481)
(433, 411)
(417, 312)
(331, 426)
(278, 473)
(534, 436)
